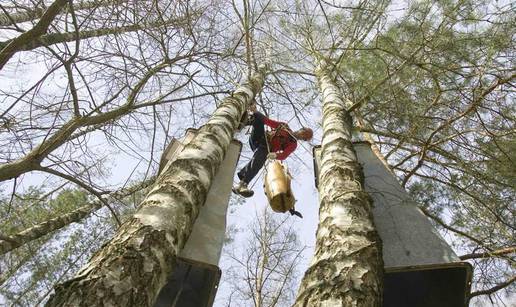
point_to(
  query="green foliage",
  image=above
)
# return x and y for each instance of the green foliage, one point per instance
(29, 272)
(501, 163)
(34, 207)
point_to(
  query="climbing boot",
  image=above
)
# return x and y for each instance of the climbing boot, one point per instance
(296, 213)
(242, 189)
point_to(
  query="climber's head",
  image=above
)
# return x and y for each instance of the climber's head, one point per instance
(304, 134)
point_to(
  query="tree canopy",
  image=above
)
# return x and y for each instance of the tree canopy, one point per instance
(91, 92)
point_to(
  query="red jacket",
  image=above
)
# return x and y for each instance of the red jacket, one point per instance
(280, 140)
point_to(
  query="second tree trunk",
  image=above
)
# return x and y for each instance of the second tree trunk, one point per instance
(347, 267)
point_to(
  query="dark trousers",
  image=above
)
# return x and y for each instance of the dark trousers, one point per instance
(259, 147)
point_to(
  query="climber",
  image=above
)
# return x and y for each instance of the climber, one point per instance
(281, 143)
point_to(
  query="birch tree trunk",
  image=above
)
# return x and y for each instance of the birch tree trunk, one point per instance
(131, 269)
(37, 231)
(347, 266)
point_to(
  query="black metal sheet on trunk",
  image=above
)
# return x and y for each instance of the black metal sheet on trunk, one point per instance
(191, 284)
(438, 286)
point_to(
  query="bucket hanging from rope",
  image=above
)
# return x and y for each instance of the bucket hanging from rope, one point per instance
(277, 187)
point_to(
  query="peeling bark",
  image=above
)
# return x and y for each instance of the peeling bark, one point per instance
(347, 266)
(132, 268)
(51, 225)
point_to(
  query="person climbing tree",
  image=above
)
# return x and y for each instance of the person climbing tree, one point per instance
(280, 143)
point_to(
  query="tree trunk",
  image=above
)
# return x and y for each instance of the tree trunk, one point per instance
(347, 266)
(131, 269)
(264, 240)
(46, 227)
(35, 13)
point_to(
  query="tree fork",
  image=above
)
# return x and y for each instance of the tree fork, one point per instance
(35, 13)
(39, 29)
(347, 266)
(131, 269)
(56, 38)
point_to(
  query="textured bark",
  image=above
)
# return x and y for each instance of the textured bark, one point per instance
(37, 12)
(56, 38)
(46, 227)
(347, 266)
(39, 29)
(132, 268)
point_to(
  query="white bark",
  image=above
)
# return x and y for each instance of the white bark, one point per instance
(347, 266)
(132, 268)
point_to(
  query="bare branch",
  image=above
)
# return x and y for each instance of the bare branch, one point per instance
(494, 253)
(495, 288)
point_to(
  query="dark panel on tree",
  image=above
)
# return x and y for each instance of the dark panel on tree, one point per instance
(429, 287)
(191, 285)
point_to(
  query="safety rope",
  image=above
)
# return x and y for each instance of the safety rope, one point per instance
(258, 177)
(264, 168)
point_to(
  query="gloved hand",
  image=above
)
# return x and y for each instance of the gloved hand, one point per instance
(272, 155)
(283, 126)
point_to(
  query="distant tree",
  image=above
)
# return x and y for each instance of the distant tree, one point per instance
(35, 256)
(82, 208)
(28, 270)
(262, 271)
